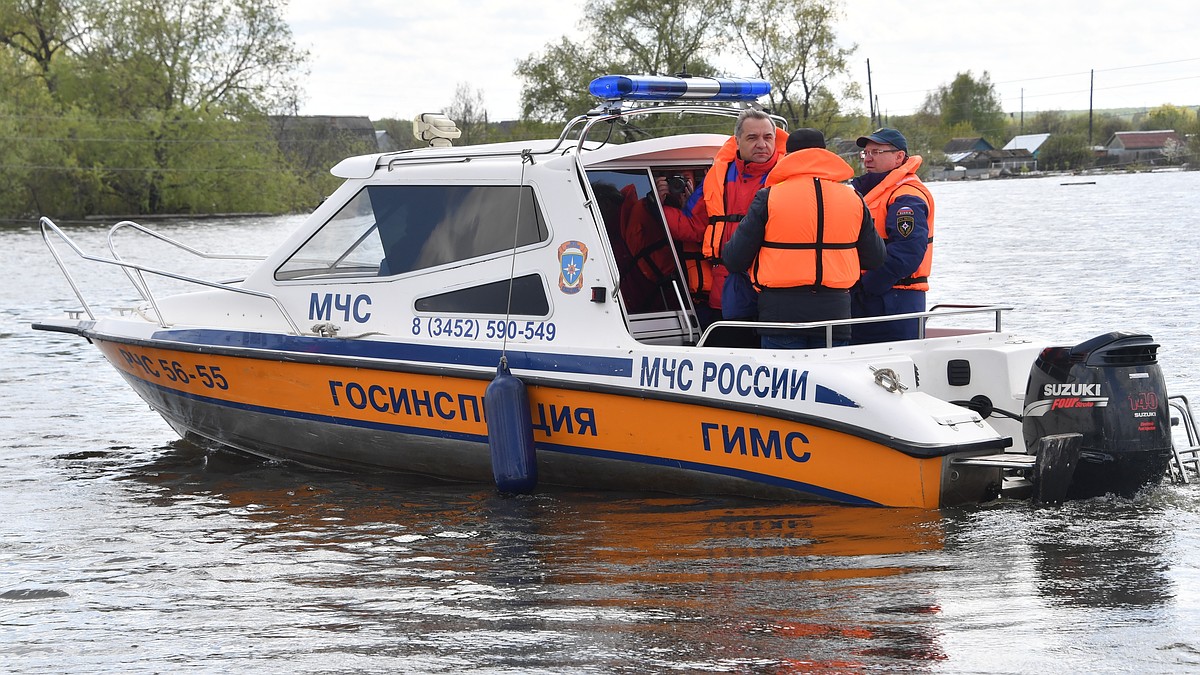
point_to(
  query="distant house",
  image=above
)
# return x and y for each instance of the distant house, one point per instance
(325, 126)
(846, 148)
(384, 141)
(300, 135)
(1142, 146)
(959, 149)
(317, 142)
(1030, 142)
(996, 162)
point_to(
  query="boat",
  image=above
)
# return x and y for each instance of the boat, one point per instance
(476, 313)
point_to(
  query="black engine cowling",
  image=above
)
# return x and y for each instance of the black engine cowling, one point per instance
(1110, 389)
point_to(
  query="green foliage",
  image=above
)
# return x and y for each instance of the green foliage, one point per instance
(625, 37)
(793, 45)
(145, 106)
(1064, 152)
(969, 100)
(1105, 125)
(1175, 118)
(469, 115)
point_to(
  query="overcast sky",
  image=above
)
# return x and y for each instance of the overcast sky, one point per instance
(384, 58)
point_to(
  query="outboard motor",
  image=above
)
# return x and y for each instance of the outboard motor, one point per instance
(1110, 389)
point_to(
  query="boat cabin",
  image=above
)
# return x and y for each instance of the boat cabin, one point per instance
(515, 231)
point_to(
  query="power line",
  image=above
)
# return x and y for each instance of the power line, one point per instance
(1098, 70)
(118, 169)
(1050, 77)
(1115, 86)
(165, 141)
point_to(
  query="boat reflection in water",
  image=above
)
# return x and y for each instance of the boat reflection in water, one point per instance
(561, 577)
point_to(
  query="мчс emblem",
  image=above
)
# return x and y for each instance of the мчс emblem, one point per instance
(905, 220)
(571, 256)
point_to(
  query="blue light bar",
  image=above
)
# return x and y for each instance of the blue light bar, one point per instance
(662, 88)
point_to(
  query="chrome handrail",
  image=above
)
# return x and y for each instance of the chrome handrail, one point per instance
(48, 225)
(922, 318)
(140, 282)
(564, 141)
(1191, 454)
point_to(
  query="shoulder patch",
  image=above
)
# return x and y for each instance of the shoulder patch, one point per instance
(905, 221)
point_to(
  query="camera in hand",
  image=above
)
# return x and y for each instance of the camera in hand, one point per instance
(677, 184)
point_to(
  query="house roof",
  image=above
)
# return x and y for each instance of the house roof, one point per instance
(957, 145)
(983, 158)
(1030, 142)
(1142, 140)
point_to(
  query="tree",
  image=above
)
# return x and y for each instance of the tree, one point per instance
(1174, 151)
(225, 56)
(968, 100)
(154, 105)
(469, 115)
(1064, 152)
(1170, 117)
(626, 37)
(792, 45)
(38, 30)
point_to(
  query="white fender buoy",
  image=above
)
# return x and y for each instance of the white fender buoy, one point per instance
(510, 432)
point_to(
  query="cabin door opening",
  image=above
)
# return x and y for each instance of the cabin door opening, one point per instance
(658, 306)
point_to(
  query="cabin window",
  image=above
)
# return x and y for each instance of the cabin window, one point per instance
(528, 299)
(387, 230)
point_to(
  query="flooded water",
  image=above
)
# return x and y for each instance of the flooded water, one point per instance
(125, 550)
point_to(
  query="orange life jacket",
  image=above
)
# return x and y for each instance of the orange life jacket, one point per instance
(726, 210)
(813, 224)
(901, 181)
(697, 270)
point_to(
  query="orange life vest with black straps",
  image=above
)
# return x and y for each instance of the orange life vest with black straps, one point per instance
(696, 269)
(723, 215)
(813, 224)
(902, 181)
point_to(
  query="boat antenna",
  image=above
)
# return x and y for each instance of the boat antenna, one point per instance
(526, 157)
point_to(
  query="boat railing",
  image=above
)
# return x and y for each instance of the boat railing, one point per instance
(562, 145)
(938, 311)
(135, 272)
(135, 276)
(1187, 458)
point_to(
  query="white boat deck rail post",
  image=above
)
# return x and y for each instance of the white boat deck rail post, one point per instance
(48, 226)
(1190, 456)
(937, 311)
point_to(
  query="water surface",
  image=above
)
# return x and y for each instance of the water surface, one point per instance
(123, 549)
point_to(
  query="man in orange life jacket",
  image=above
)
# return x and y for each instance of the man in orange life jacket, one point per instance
(739, 170)
(903, 211)
(804, 241)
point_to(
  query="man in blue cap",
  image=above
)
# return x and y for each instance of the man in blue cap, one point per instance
(902, 208)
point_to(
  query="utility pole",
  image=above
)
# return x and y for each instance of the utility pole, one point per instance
(1091, 90)
(1022, 110)
(870, 95)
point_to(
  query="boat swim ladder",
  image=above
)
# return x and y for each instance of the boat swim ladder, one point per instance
(1188, 459)
(135, 272)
